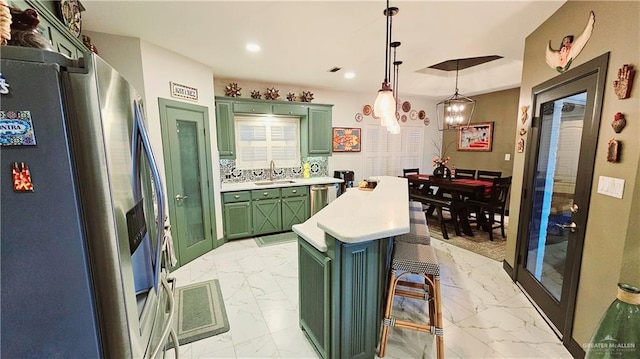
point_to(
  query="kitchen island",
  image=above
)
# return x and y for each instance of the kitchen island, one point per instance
(343, 254)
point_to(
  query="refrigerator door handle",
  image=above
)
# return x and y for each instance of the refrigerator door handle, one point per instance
(141, 139)
(168, 328)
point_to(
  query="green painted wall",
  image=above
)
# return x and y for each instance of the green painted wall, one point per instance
(501, 108)
(611, 250)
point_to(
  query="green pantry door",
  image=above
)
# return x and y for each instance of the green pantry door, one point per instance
(187, 156)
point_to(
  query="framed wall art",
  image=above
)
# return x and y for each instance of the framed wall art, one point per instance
(346, 139)
(476, 137)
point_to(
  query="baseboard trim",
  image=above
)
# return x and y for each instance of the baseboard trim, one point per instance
(509, 269)
(575, 349)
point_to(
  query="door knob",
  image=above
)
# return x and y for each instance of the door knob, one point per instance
(180, 197)
(572, 226)
(575, 208)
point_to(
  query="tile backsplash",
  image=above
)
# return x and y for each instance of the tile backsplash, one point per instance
(230, 174)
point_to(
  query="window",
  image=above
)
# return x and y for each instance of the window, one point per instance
(259, 140)
(386, 154)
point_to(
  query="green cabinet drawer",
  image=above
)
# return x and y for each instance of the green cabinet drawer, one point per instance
(261, 108)
(231, 197)
(260, 194)
(294, 110)
(295, 191)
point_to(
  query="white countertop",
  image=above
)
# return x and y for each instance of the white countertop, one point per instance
(359, 216)
(245, 186)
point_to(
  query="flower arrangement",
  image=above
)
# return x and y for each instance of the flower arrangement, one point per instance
(437, 161)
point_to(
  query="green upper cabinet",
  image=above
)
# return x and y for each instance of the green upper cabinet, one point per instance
(319, 131)
(225, 130)
(252, 107)
(51, 28)
(292, 110)
(315, 123)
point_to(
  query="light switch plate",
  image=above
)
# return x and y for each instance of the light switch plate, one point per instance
(507, 157)
(610, 186)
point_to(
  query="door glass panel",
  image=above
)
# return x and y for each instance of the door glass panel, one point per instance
(553, 198)
(191, 203)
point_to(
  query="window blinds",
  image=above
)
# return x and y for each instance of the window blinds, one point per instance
(261, 140)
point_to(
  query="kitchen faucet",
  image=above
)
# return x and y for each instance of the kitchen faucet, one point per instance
(272, 168)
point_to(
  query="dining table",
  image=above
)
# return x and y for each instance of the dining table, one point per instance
(459, 189)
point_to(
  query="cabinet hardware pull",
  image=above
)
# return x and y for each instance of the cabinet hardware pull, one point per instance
(295, 191)
(265, 194)
(236, 196)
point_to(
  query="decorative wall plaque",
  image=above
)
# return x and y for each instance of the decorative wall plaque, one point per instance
(561, 59)
(623, 84)
(182, 91)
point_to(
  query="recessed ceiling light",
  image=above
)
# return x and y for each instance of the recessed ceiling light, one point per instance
(253, 47)
(349, 75)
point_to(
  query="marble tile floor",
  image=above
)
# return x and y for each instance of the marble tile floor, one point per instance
(486, 315)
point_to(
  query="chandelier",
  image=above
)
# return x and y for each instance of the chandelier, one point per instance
(456, 111)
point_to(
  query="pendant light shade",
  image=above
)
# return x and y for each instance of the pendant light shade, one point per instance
(455, 111)
(385, 105)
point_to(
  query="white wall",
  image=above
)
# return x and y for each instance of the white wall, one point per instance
(345, 107)
(159, 67)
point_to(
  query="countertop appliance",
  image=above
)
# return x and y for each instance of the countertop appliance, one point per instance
(82, 272)
(347, 177)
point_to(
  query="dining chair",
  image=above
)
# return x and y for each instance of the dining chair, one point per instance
(414, 189)
(410, 171)
(465, 173)
(487, 209)
(488, 175)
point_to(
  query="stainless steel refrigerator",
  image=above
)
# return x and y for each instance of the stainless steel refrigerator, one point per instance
(81, 214)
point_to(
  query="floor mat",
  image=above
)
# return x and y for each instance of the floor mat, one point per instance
(274, 239)
(200, 312)
(478, 243)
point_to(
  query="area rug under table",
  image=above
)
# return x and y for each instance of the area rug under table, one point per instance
(478, 243)
(200, 312)
(277, 238)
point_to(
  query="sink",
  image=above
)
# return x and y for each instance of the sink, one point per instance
(273, 182)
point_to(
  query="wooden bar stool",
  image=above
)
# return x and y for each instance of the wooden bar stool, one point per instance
(411, 258)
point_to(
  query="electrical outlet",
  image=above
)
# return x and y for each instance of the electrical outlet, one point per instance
(507, 157)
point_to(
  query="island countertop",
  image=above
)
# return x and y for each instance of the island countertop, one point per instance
(358, 216)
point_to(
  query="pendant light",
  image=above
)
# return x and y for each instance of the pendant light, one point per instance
(385, 104)
(456, 111)
(394, 127)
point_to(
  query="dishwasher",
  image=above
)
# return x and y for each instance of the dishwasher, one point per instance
(319, 197)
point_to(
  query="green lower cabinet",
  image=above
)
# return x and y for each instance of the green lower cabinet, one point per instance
(237, 220)
(315, 296)
(295, 206)
(342, 295)
(249, 213)
(267, 216)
